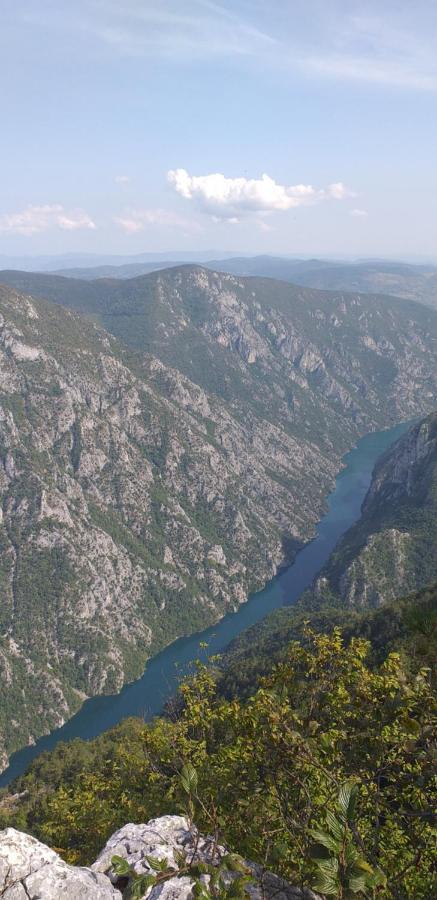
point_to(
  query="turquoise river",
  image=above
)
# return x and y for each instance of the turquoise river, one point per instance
(147, 696)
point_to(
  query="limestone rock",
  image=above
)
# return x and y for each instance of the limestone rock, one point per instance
(162, 837)
(31, 871)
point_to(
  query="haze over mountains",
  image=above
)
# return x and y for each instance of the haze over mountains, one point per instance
(157, 471)
(401, 279)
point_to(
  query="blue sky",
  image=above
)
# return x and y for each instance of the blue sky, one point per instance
(283, 126)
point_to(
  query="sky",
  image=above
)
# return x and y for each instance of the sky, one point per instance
(303, 127)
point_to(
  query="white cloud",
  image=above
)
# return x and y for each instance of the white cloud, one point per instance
(338, 191)
(135, 220)
(35, 219)
(359, 213)
(229, 198)
(122, 179)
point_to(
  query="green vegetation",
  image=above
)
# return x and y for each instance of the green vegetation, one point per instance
(324, 773)
(391, 550)
(407, 626)
(146, 313)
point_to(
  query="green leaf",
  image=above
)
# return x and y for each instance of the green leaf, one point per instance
(358, 884)
(189, 779)
(180, 858)
(234, 863)
(412, 726)
(146, 881)
(326, 840)
(347, 797)
(157, 864)
(329, 867)
(120, 865)
(335, 826)
(325, 885)
(201, 868)
(362, 864)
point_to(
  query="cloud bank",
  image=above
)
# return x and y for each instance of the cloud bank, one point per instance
(35, 219)
(230, 198)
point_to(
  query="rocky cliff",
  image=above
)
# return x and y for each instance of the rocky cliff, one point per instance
(150, 480)
(325, 365)
(30, 870)
(392, 549)
(135, 508)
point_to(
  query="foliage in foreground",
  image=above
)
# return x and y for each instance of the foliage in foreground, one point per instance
(270, 770)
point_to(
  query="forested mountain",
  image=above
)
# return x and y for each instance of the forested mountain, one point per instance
(135, 508)
(147, 490)
(411, 282)
(324, 363)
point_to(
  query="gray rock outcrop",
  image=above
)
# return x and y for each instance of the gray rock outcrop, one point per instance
(30, 870)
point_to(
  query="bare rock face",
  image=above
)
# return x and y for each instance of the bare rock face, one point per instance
(162, 838)
(391, 550)
(31, 871)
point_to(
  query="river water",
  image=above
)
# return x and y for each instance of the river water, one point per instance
(147, 695)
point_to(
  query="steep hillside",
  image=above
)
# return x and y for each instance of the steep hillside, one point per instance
(326, 366)
(145, 492)
(407, 625)
(411, 282)
(135, 508)
(393, 547)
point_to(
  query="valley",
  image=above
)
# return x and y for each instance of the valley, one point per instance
(158, 472)
(146, 696)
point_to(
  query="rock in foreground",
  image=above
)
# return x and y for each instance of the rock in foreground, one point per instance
(30, 870)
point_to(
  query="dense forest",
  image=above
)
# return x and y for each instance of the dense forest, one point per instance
(311, 754)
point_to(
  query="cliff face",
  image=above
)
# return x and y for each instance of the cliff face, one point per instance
(135, 508)
(146, 491)
(326, 365)
(392, 550)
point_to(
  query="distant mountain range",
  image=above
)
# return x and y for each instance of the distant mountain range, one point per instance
(412, 282)
(89, 261)
(163, 454)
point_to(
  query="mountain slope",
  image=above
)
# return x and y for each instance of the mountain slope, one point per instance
(135, 508)
(145, 492)
(389, 554)
(327, 366)
(411, 282)
(404, 280)
(392, 549)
